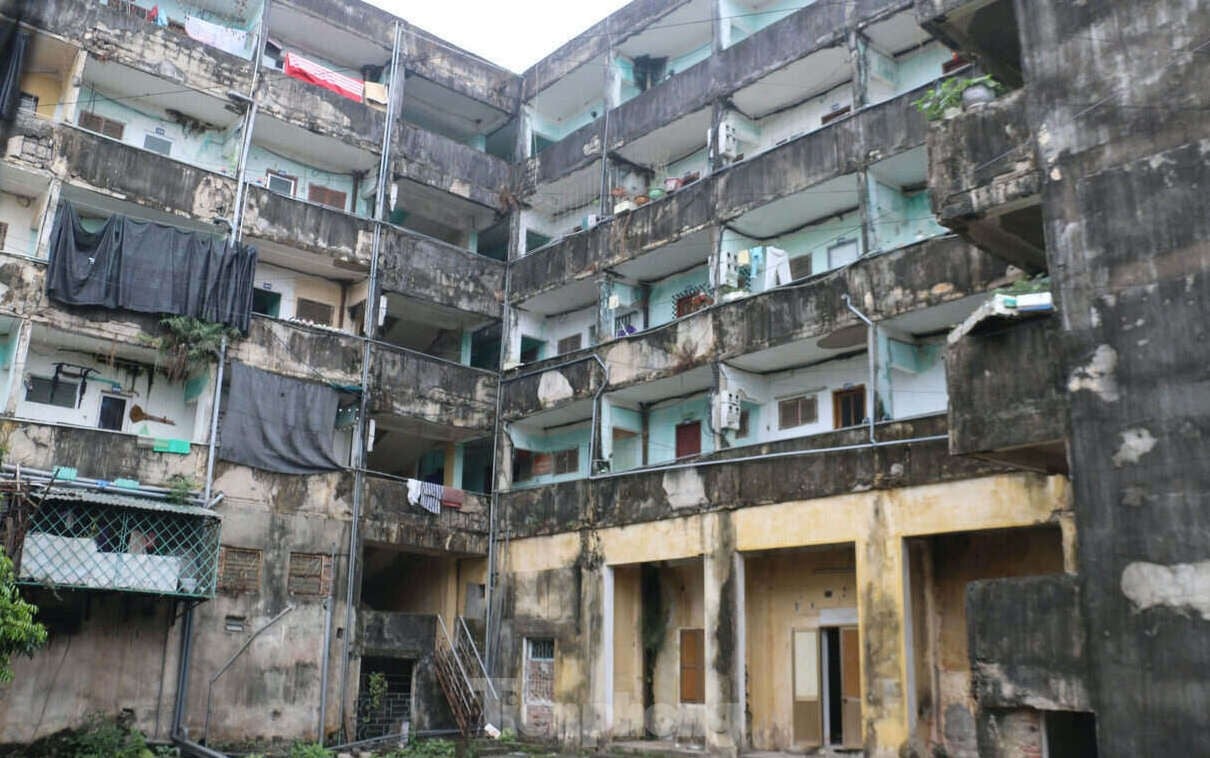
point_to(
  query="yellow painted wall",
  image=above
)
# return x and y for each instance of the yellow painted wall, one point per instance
(682, 589)
(48, 88)
(785, 592)
(627, 652)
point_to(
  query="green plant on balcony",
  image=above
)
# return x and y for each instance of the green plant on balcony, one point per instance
(946, 95)
(181, 488)
(187, 344)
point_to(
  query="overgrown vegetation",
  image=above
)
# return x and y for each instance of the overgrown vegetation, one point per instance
(188, 344)
(426, 749)
(1039, 283)
(181, 488)
(20, 633)
(947, 94)
(308, 750)
(377, 689)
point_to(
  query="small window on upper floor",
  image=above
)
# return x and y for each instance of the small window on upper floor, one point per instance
(801, 267)
(329, 197)
(101, 125)
(239, 569)
(567, 461)
(266, 302)
(531, 349)
(309, 574)
(157, 144)
(797, 411)
(40, 389)
(283, 183)
(29, 103)
(315, 312)
(570, 344)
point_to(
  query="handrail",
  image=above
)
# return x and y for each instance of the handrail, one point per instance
(457, 660)
(475, 649)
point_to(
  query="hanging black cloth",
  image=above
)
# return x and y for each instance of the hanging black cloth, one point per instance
(150, 268)
(14, 41)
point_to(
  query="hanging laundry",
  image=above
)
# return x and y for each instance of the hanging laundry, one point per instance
(234, 41)
(310, 71)
(426, 495)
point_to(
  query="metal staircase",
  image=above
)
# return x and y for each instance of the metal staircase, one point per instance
(464, 679)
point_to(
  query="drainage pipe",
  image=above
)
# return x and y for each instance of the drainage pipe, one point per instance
(369, 324)
(326, 653)
(871, 351)
(596, 404)
(223, 669)
(214, 410)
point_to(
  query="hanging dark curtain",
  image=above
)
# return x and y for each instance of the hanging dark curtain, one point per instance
(14, 42)
(150, 268)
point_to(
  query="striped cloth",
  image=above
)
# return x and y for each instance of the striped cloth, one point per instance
(310, 71)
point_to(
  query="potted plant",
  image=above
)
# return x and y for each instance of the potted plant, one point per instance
(946, 98)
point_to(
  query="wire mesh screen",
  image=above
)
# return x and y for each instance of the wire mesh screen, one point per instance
(156, 548)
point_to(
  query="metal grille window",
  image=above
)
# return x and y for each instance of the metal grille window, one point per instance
(310, 574)
(797, 411)
(40, 389)
(107, 126)
(327, 196)
(239, 570)
(313, 311)
(89, 540)
(541, 649)
(570, 344)
(567, 461)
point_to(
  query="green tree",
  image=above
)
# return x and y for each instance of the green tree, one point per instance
(20, 634)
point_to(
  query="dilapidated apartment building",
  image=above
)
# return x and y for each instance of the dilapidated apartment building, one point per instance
(691, 386)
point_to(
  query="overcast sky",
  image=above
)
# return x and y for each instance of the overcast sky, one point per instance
(512, 33)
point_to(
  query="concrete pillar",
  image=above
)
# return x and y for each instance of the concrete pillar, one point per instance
(724, 629)
(604, 673)
(20, 352)
(881, 593)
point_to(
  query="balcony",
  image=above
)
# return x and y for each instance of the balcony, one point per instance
(646, 495)
(100, 454)
(1027, 643)
(319, 111)
(428, 269)
(930, 285)
(390, 519)
(397, 635)
(298, 350)
(790, 169)
(131, 41)
(985, 183)
(340, 237)
(108, 540)
(409, 384)
(452, 167)
(1007, 392)
(985, 30)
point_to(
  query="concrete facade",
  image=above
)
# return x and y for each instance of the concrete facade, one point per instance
(769, 415)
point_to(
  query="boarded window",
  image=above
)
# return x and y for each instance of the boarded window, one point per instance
(310, 574)
(239, 569)
(95, 123)
(567, 461)
(570, 344)
(688, 439)
(693, 666)
(327, 196)
(49, 392)
(29, 103)
(313, 311)
(797, 411)
(848, 406)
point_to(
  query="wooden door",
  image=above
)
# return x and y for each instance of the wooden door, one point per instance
(693, 666)
(850, 686)
(848, 407)
(688, 439)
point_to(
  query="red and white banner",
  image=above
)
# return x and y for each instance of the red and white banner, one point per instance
(309, 71)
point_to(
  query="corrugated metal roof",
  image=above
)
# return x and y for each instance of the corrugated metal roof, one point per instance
(129, 501)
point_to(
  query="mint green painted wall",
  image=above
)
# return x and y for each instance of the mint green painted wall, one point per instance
(627, 454)
(548, 442)
(899, 219)
(260, 161)
(920, 66)
(813, 240)
(661, 445)
(662, 307)
(740, 22)
(213, 150)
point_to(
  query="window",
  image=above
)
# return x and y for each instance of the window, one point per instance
(541, 649)
(157, 144)
(693, 666)
(625, 324)
(801, 267)
(28, 103)
(39, 389)
(570, 344)
(113, 413)
(842, 254)
(797, 411)
(329, 197)
(239, 569)
(3, 234)
(309, 574)
(266, 303)
(848, 406)
(283, 183)
(688, 439)
(315, 312)
(567, 461)
(538, 686)
(535, 240)
(94, 123)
